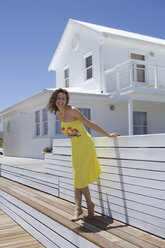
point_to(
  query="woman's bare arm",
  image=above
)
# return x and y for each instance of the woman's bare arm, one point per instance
(91, 124)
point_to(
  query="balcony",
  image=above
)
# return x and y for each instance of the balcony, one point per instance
(134, 74)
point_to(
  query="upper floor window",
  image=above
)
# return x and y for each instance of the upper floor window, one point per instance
(140, 125)
(88, 67)
(37, 123)
(44, 122)
(66, 77)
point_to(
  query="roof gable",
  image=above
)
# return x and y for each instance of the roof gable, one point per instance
(104, 31)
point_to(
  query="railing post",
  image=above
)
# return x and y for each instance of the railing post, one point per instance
(134, 72)
(156, 76)
(131, 74)
(130, 116)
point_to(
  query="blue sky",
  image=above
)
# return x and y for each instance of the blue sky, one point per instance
(30, 31)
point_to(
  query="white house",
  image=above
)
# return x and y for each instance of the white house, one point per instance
(116, 78)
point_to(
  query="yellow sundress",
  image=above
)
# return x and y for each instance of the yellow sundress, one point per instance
(85, 165)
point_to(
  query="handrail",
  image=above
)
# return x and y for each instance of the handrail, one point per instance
(131, 61)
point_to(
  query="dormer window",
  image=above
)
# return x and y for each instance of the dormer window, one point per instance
(88, 67)
(66, 77)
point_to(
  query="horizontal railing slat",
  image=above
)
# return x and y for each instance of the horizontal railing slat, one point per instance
(154, 140)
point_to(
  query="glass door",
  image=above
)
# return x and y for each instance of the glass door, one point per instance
(140, 69)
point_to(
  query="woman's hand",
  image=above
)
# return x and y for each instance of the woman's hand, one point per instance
(113, 135)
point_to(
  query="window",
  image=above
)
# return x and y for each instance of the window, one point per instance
(88, 67)
(57, 126)
(8, 127)
(140, 122)
(37, 123)
(140, 69)
(44, 122)
(66, 77)
(84, 111)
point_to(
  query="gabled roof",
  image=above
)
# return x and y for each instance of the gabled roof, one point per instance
(104, 31)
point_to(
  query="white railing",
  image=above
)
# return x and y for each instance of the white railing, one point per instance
(131, 187)
(134, 73)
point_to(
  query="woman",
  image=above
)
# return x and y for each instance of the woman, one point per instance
(86, 168)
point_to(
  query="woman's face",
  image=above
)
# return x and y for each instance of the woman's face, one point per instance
(61, 100)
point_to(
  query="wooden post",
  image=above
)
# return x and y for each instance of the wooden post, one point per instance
(130, 116)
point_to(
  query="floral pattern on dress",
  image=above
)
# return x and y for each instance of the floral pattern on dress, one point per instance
(71, 132)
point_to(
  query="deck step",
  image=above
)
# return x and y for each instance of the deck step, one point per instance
(13, 235)
(47, 218)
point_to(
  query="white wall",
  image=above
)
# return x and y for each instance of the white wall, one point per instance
(20, 140)
(88, 42)
(19, 129)
(156, 115)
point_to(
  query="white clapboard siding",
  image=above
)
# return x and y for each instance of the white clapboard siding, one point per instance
(44, 182)
(131, 187)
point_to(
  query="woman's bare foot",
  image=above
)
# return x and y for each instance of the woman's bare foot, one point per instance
(90, 211)
(77, 214)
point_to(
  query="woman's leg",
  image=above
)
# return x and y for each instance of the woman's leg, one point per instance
(78, 200)
(90, 205)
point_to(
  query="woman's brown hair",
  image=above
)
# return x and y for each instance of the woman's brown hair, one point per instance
(52, 101)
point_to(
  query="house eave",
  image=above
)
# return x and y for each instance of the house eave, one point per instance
(20, 104)
(73, 92)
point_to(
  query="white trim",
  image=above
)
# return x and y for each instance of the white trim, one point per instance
(147, 126)
(130, 116)
(64, 79)
(85, 80)
(41, 135)
(145, 54)
(143, 109)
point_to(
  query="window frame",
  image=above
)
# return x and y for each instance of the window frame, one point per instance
(37, 123)
(66, 84)
(44, 122)
(41, 122)
(138, 125)
(89, 67)
(142, 53)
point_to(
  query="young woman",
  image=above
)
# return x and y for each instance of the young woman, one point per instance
(86, 168)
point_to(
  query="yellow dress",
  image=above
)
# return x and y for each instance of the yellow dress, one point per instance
(86, 168)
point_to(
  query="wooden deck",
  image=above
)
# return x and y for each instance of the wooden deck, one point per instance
(101, 231)
(14, 236)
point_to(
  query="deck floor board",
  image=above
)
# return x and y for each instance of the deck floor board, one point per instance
(102, 231)
(14, 236)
